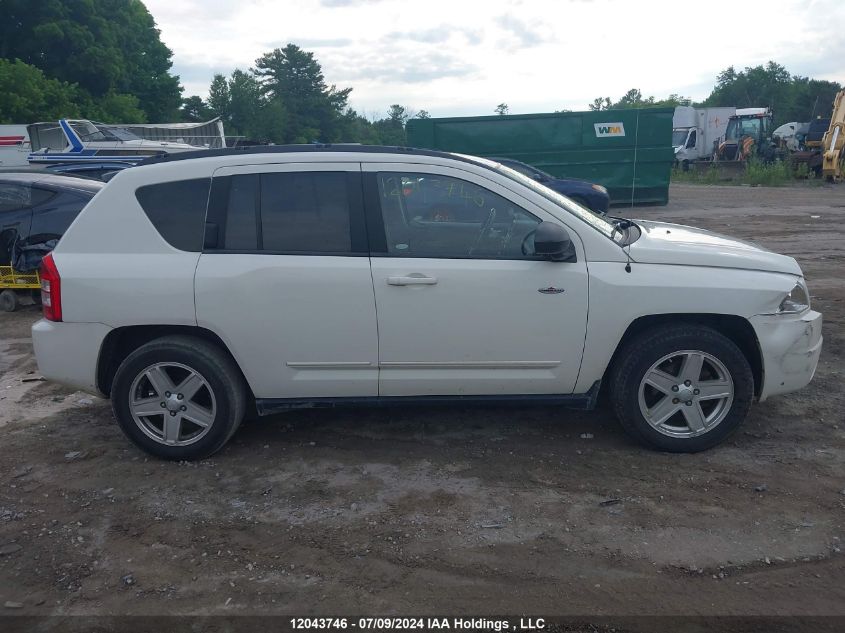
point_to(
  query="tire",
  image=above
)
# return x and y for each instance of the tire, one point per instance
(662, 354)
(177, 427)
(8, 301)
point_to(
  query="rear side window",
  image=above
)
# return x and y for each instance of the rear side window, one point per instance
(177, 210)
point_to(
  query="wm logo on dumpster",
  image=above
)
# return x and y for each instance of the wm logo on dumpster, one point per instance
(609, 129)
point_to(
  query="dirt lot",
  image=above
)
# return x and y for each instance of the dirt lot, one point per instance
(449, 510)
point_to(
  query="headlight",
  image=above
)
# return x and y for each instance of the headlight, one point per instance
(796, 301)
(600, 189)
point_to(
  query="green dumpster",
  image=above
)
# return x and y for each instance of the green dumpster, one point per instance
(627, 151)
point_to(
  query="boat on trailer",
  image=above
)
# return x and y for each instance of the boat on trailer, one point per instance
(81, 141)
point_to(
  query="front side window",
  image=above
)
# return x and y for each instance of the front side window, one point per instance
(430, 215)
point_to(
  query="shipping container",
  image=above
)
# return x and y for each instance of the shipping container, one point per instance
(628, 151)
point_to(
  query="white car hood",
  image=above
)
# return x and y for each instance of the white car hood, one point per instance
(664, 243)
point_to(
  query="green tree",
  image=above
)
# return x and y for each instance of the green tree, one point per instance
(195, 110)
(634, 99)
(422, 114)
(391, 130)
(26, 95)
(105, 47)
(791, 97)
(116, 108)
(313, 109)
(501, 109)
(219, 101)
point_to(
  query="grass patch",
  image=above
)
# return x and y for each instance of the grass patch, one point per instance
(753, 172)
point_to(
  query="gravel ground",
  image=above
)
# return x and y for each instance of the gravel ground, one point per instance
(446, 510)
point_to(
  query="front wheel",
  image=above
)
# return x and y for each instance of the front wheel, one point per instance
(178, 397)
(681, 389)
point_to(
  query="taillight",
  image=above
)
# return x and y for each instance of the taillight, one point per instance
(51, 289)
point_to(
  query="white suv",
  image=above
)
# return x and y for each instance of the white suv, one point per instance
(197, 286)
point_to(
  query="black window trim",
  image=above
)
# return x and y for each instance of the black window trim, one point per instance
(358, 225)
(378, 237)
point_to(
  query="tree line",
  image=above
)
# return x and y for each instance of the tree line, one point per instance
(284, 98)
(104, 60)
(791, 97)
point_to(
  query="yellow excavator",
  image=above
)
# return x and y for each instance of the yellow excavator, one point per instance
(833, 143)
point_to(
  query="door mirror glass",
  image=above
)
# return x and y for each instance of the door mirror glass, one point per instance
(552, 242)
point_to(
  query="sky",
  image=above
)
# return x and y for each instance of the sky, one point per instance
(461, 57)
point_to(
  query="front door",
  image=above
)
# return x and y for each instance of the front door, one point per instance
(464, 307)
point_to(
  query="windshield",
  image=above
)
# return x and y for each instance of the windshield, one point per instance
(737, 128)
(679, 137)
(89, 131)
(595, 220)
(120, 133)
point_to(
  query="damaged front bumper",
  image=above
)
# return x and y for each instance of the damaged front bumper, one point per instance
(790, 345)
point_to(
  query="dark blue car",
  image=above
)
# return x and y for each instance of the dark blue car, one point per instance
(587, 194)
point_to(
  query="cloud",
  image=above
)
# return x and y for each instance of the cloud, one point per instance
(308, 43)
(402, 66)
(346, 3)
(436, 35)
(526, 35)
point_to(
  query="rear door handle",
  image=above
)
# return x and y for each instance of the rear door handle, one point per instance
(414, 279)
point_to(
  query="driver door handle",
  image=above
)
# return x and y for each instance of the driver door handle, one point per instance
(412, 280)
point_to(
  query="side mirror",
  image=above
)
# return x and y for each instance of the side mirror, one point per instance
(551, 241)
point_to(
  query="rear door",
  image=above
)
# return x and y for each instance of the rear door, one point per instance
(464, 307)
(285, 279)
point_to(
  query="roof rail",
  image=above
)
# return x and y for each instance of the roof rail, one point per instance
(312, 147)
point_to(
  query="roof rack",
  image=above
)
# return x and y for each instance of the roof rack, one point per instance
(312, 147)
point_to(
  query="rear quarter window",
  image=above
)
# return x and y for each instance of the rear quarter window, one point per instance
(177, 210)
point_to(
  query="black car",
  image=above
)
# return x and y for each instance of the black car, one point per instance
(36, 208)
(587, 194)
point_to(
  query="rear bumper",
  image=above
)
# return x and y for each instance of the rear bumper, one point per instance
(790, 346)
(68, 352)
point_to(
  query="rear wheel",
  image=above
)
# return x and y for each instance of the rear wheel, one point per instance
(9, 301)
(178, 397)
(682, 388)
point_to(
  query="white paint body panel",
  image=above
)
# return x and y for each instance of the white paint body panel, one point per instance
(618, 298)
(67, 352)
(663, 243)
(791, 346)
(482, 329)
(298, 326)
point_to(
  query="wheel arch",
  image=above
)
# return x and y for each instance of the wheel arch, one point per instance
(122, 341)
(736, 328)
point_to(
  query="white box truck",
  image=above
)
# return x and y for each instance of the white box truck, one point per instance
(697, 131)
